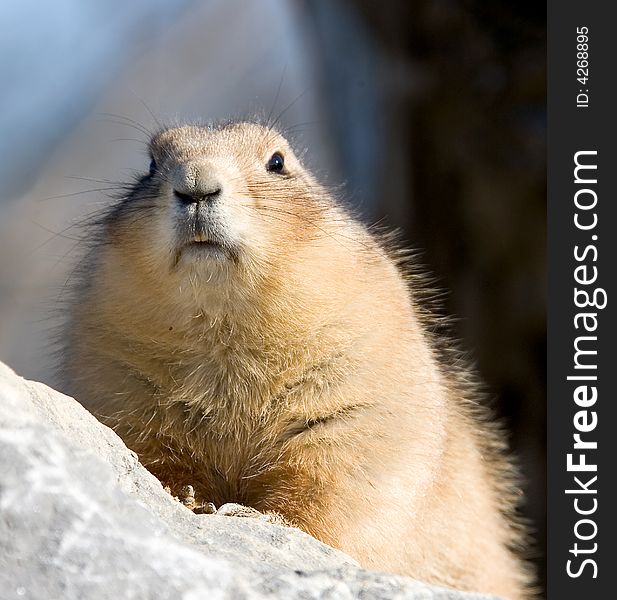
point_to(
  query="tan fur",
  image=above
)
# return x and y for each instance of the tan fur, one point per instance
(295, 375)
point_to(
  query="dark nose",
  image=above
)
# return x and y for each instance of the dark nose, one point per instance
(198, 196)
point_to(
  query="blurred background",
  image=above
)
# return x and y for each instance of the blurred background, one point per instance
(432, 112)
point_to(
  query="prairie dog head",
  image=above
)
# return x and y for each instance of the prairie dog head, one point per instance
(220, 203)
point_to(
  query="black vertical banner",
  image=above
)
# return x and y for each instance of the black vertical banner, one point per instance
(582, 337)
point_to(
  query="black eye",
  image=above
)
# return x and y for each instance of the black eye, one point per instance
(152, 167)
(276, 163)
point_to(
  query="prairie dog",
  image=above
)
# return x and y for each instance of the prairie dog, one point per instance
(243, 334)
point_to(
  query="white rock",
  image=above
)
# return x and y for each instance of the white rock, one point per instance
(81, 519)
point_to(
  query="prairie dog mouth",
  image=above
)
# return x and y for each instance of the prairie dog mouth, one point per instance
(204, 233)
(205, 243)
(201, 246)
(200, 234)
(203, 238)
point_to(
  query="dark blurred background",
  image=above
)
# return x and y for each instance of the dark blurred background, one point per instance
(431, 111)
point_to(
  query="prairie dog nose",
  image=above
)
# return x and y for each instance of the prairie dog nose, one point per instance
(196, 182)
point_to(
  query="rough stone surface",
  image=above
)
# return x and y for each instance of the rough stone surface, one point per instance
(80, 518)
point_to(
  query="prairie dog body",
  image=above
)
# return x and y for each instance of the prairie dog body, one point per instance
(243, 334)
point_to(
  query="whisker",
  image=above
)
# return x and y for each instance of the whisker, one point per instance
(288, 107)
(126, 121)
(278, 91)
(72, 194)
(334, 236)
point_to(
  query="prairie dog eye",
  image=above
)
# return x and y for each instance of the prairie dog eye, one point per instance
(276, 163)
(152, 167)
